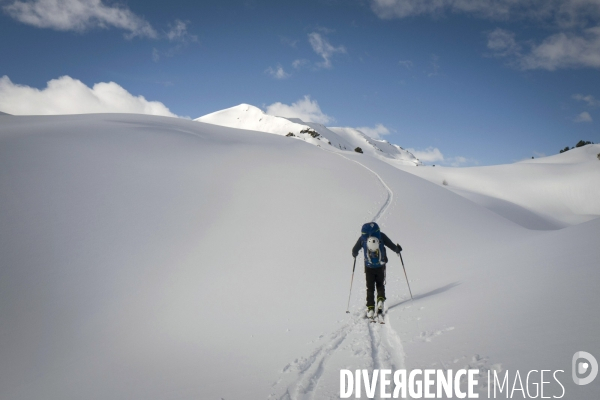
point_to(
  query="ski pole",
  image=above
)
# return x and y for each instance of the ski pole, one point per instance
(351, 280)
(402, 261)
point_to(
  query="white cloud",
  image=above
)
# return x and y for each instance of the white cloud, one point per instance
(561, 50)
(388, 9)
(502, 43)
(300, 63)
(78, 15)
(576, 45)
(589, 99)
(375, 132)
(565, 50)
(562, 13)
(178, 32)
(583, 117)
(457, 161)
(170, 52)
(277, 72)
(66, 95)
(322, 47)
(306, 109)
(434, 155)
(406, 63)
(430, 154)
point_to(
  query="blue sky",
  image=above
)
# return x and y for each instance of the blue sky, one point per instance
(462, 82)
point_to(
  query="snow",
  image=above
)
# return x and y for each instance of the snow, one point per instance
(245, 116)
(544, 193)
(381, 149)
(147, 257)
(577, 155)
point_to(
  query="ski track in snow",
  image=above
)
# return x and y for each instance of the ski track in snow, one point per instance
(380, 343)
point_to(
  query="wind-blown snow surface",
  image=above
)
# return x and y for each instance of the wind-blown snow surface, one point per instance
(245, 116)
(155, 258)
(544, 193)
(381, 149)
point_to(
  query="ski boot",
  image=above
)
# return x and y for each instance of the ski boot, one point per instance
(370, 312)
(380, 301)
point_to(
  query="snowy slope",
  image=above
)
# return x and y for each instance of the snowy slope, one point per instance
(577, 155)
(156, 258)
(382, 149)
(245, 116)
(544, 193)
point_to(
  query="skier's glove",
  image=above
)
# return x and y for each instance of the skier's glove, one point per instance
(399, 248)
(354, 254)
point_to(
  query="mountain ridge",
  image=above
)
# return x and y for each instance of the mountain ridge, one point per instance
(248, 117)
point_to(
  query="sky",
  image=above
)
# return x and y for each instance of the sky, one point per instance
(457, 82)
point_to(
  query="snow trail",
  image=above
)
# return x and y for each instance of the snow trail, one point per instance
(390, 194)
(378, 344)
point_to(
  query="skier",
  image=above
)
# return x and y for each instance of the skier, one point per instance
(373, 243)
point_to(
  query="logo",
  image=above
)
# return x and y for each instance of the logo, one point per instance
(584, 364)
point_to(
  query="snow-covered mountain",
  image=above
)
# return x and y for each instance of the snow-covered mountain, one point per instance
(245, 116)
(157, 258)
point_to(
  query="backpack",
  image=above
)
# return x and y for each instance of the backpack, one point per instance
(373, 259)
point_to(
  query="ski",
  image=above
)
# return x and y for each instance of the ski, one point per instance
(373, 317)
(379, 317)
